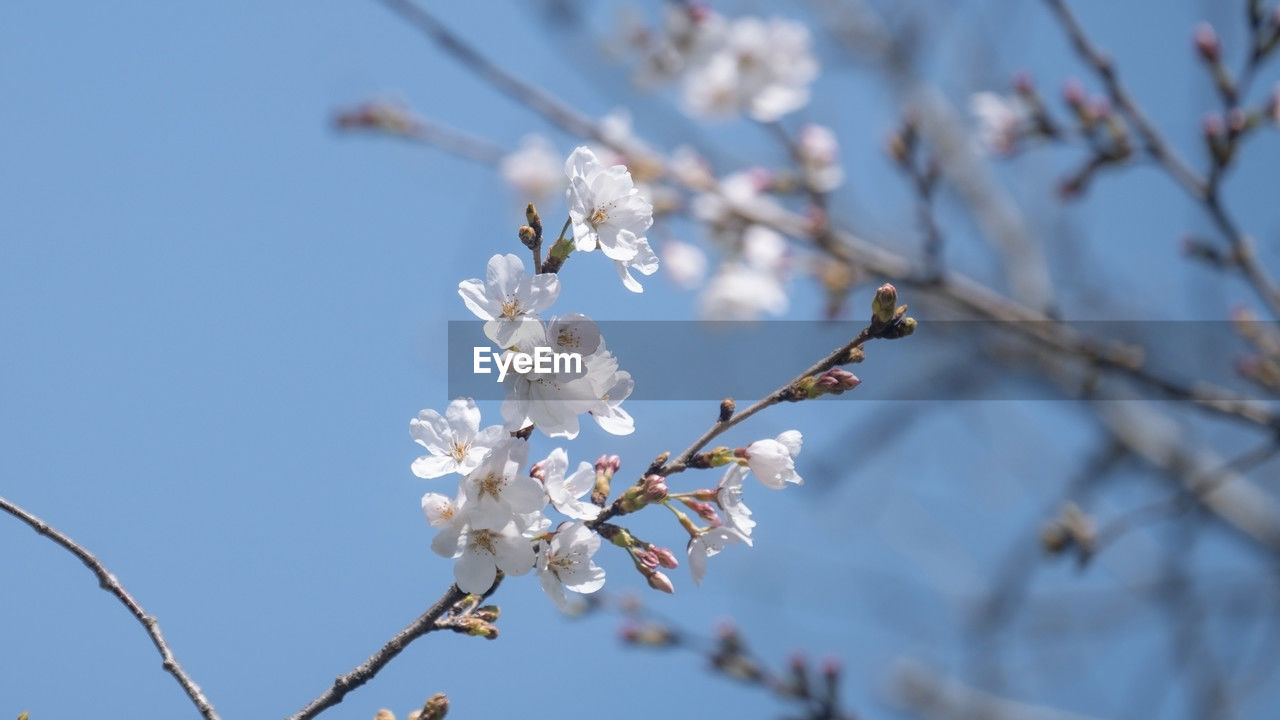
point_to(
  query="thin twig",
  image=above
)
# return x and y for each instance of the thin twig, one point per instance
(856, 252)
(109, 583)
(1204, 191)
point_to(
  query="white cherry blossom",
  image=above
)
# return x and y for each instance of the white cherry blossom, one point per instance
(729, 498)
(565, 563)
(566, 491)
(1000, 121)
(482, 549)
(510, 300)
(710, 542)
(454, 441)
(498, 490)
(603, 203)
(819, 155)
(685, 264)
(534, 170)
(773, 461)
(764, 68)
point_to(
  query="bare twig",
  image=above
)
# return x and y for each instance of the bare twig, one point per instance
(109, 583)
(1203, 190)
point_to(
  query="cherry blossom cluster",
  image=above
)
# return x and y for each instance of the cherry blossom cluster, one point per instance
(726, 67)
(500, 518)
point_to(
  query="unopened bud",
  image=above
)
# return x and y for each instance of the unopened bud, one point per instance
(666, 558)
(436, 707)
(527, 236)
(535, 221)
(383, 714)
(727, 408)
(659, 581)
(655, 488)
(1073, 95)
(705, 510)
(884, 304)
(479, 628)
(856, 355)
(609, 463)
(1206, 42)
(647, 558)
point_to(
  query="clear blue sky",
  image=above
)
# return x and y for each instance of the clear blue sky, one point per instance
(217, 317)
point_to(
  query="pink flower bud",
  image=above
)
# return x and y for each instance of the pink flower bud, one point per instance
(666, 558)
(1073, 93)
(1213, 125)
(706, 511)
(608, 463)
(648, 558)
(1022, 83)
(655, 488)
(1206, 42)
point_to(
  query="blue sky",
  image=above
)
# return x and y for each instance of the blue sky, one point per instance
(217, 317)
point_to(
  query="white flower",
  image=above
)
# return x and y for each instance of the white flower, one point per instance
(566, 492)
(741, 292)
(1000, 121)
(729, 497)
(644, 261)
(573, 333)
(710, 542)
(482, 550)
(497, 490)
(773, 461)
(440, 510)
(744, 288)
(565, 563)
(455, 441)
(686, 264)
(510, 300)
(819, 155)
(534, 169)
(764, 68)
(603, 202)
(553, 401)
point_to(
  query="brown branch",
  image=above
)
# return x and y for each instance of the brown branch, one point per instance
(108, 582)
(364, 672)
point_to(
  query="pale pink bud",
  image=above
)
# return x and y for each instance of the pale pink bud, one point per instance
(655, 488)
(1206, 42)
(658, 581)
(666, 558)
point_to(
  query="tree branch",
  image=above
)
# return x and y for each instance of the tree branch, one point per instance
(364, 672)
(109, 583)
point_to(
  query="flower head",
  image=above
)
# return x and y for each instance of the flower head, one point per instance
(454, 441)
(534, 169)
(1000, 121)
(566, 492)
(510, 300)
(773, 461)
(729, 498)
(564, 563)
(707, 543)
(605, 207)
(497, 491)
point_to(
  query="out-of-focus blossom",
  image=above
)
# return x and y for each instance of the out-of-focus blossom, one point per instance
(764, 68)
(1000, 121)
(534, 170)
(686, 264)
(819, 156)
